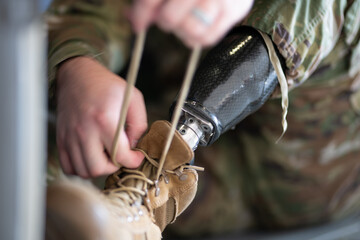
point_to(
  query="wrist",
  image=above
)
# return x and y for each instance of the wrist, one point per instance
(69, 66)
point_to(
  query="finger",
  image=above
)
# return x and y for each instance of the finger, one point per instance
(75, 155)
(171, 13)
(235, 10)
(143, 12)
(209, 37)
(229, 15)
(65, 162)
(124, 155)
(215, 33)
(136, 120)
(63, 156)
(199, 21)
(96, 160)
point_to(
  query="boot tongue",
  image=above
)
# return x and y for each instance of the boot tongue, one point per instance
(154, 141)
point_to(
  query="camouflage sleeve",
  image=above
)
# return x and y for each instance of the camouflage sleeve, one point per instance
(304, 31)
(352, 35)
(95, 28)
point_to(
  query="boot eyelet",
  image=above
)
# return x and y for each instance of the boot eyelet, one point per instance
(130, 219)
(183, 177)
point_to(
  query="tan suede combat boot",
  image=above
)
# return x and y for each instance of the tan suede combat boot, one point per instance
(133, 205)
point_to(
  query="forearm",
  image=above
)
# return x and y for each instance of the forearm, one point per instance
(79, 28)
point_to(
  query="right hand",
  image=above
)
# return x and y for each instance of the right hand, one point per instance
(89, 99)
(178, 17)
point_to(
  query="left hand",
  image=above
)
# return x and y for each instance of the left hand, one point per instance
(196, 22)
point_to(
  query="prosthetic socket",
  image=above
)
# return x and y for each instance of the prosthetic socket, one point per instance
(234, 80)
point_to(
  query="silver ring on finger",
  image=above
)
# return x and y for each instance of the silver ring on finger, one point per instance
(202, 16)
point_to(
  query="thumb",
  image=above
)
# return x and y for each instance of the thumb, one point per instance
(125, 156)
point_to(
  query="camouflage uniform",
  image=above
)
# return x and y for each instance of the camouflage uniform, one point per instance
(313, 174)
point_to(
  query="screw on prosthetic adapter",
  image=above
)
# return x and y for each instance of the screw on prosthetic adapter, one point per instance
(234, 80)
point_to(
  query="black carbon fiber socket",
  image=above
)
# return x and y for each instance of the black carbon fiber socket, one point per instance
(234, 80)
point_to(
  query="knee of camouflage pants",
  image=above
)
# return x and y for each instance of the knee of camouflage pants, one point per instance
(313, 174)
(218, 206)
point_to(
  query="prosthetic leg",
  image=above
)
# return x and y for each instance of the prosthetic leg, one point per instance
(233, 81)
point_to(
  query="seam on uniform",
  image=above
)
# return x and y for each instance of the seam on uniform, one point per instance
(313, 24)
(298, 40)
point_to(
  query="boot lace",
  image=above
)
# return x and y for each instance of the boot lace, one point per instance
(132, 197)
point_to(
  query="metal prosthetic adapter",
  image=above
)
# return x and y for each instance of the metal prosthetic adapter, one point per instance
(234, 80)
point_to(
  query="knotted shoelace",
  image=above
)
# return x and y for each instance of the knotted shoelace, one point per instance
(131, 196)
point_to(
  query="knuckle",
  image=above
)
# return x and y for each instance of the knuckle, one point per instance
(80, 131)
(102, 118)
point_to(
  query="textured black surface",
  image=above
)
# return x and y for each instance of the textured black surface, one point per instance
(234, 80)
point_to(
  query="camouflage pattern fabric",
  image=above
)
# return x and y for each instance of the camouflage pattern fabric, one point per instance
(313, 174)
(94, 28)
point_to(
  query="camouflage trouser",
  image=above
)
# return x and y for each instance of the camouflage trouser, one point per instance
(311, 176)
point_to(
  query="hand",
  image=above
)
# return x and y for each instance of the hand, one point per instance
(196, 22)
(89, 102)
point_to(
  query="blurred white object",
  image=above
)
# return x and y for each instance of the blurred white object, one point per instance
(22, 120)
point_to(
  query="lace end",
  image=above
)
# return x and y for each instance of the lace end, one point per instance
(282, 81)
